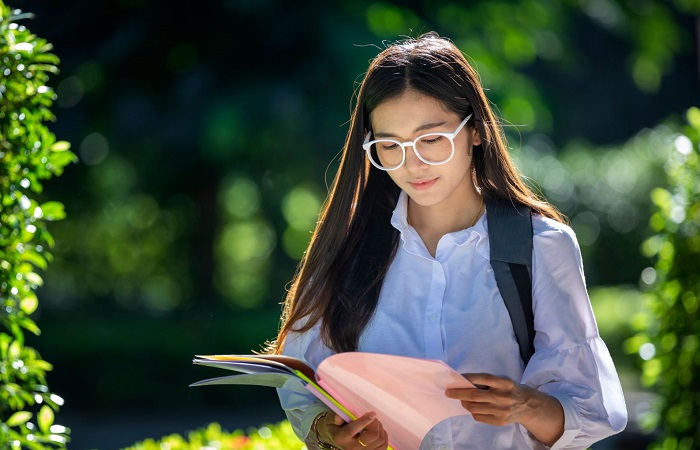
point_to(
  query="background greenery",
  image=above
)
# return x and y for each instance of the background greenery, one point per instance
(207, 133)
(29, 154)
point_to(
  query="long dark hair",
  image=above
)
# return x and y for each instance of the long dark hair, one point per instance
(339, 278)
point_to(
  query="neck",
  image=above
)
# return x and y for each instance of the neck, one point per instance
(438, 220)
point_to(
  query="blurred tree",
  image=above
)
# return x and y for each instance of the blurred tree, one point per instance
(29, 153)
(219, 109)
(670, 337)
(604, 191)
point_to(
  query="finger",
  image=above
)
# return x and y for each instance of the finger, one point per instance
(474, 395)
(369, 439)
(488, 380)
(460, 394)
(373, 436)
(359, 424)
(379, 446)
(337, 420)
(478, 395)
(380, 443)
(474, 408)
(483, 407)
(491, 419)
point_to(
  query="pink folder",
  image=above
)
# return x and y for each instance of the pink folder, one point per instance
(408, 394)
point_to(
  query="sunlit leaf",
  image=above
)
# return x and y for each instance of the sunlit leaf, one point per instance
(59, 160)
(45, 419)
(60, 146)
(34, 278)
(29, 324)
(29, 304)
(34, 258)
(693, 117)
(53, 210)
(19, 418)
(15, 350)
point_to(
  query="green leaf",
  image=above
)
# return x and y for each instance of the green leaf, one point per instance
(693, 117)
(44, 68)
(60, 146)
(34, 258)
(15, 350)
(18, 335)
(53, 211)
(59, 160)
(34, 278)
(48, 58)
(29, 304)
(40, 364)
(45, 418)
(29, 324)
(19, 418)
(58, 439)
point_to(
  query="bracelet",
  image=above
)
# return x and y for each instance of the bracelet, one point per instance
(314, 427)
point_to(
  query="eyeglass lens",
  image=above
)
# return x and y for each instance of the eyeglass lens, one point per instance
(432, 148)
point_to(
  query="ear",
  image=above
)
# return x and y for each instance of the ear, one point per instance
(476, 137)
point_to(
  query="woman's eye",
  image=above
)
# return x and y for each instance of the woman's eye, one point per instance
(387, 146)
(432, 140)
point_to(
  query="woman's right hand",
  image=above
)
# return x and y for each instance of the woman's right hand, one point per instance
(363, 433)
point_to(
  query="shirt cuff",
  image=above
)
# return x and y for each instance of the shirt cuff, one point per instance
(572, 421)
(309, 416)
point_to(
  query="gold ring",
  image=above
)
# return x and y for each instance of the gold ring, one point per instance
(359, 441)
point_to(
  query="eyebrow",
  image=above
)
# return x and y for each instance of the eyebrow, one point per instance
(423, 127)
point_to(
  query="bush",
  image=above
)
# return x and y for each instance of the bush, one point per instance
(270, 437)
(29, 153)
(670, 337)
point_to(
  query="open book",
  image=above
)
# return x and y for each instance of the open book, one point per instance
(408, 394)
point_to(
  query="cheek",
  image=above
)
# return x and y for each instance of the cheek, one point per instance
(393, 174)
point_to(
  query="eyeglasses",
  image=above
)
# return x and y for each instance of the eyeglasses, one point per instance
(433, 149)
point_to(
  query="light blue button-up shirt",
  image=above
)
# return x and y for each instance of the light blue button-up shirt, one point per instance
(449, 308)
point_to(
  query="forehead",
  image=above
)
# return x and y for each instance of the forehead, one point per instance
(408, 111)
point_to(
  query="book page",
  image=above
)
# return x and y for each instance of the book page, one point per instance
(275, 380)
(408, 394)
(290, 363)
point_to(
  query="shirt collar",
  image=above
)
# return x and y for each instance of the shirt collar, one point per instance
(413, 243)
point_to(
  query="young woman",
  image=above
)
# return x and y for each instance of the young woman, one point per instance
(399, 264)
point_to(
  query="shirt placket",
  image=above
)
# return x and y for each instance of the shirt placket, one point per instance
(434, 346)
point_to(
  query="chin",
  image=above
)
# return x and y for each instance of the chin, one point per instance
(424, 200)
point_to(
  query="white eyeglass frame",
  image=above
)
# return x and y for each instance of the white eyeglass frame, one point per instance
(367, 145)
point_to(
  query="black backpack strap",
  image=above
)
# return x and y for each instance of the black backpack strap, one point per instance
(510, 240)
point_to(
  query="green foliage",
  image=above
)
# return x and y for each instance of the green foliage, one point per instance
(153, 241)
(29, 153)
(613, 306)
(279, 436)
(604, 192)
(503, 36)
(670, 336)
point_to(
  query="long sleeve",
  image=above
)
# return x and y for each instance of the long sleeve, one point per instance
(571, 361)
(300, 406)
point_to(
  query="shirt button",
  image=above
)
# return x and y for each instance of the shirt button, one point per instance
(443, 447)
(432, 316)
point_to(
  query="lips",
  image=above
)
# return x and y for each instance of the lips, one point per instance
(422, 184)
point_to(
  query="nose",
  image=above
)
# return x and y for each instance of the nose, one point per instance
(412, 162)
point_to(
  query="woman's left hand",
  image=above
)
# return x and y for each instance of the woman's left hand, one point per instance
(502, 401)
(496, 401)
